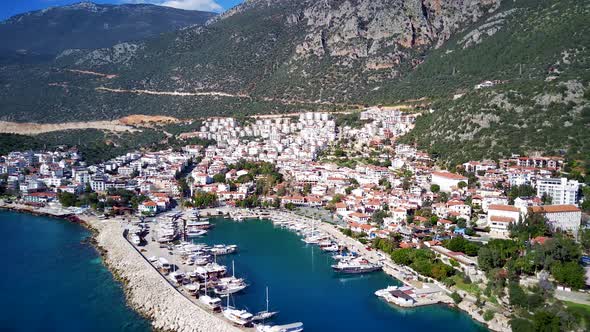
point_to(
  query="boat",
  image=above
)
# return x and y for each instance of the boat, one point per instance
(192, 288)
(198, 224)
(213, 303)
(220, 249)
(236, 316)
(344, 255)
(332, 247)
(224, 290)
(357, 265)
(230, 285)
(293, 327)
(265, 314)
(193, 232)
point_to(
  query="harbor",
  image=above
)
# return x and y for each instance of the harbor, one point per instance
(276, 263)
(300, 274)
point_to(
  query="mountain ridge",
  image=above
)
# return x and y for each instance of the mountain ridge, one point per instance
(87, 25)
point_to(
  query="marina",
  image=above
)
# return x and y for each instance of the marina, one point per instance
(290, 261)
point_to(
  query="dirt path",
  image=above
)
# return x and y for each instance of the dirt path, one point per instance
(40, 128)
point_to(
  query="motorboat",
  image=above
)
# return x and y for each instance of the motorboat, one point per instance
(236, 316)
(356, 265)
(213, 303)
(194, 232)
(293, 327)
(221, 249)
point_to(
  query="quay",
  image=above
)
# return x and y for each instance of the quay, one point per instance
(432, 293)
(427, 293)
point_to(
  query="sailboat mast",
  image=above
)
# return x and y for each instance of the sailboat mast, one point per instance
(267, 299)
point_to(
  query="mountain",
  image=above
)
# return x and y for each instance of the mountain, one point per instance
(287, 55)
(87, 25)
(261, 56)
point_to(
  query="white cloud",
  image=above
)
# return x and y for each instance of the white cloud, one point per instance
(206, 5)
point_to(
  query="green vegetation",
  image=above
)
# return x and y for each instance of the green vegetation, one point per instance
(422, 261)
(204, 199)
(460, 244)
(526, 112)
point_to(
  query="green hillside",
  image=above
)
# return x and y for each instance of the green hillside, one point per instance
(542, 104)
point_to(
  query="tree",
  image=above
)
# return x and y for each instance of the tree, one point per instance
(219, 178)
(584, 236)
(456, 297)
(545, 321)
(307, 189)
(378, 216)
(570, 274)
(534, 225)
(67, 199)
(462, 184)
(461, 244)
(435, 188)
(402, 256)
(517, 295)
(204, 199)
(547, 200)
(496, 253)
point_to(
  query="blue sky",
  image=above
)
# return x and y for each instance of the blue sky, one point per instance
(12, 7)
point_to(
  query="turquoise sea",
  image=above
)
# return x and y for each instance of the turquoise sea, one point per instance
(53, 281)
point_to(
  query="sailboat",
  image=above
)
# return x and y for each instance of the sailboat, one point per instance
(230, 285)
(265, 314)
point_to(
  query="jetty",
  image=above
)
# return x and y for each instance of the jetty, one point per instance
(147, 290)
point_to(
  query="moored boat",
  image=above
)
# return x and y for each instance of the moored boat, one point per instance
(357, 265)
(293, 327)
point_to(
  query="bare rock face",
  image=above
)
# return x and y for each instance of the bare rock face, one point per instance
(377, 29)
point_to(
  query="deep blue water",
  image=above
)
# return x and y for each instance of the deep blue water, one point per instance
(51, 281)
(303, 287)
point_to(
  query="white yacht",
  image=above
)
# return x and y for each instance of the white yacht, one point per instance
(293, 327)
(213, 303)
(195, 232)
(239, 317)
(355, 265)
(220, 249)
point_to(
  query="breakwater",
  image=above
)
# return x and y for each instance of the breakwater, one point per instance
(147, 291)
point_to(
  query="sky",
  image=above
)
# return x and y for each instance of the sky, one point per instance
(10, 8)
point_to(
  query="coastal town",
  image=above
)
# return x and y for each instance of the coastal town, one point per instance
(497, 239)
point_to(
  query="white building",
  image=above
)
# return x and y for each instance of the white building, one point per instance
(500, 217)
(560, 190)
(561, 217)
(447, 181)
